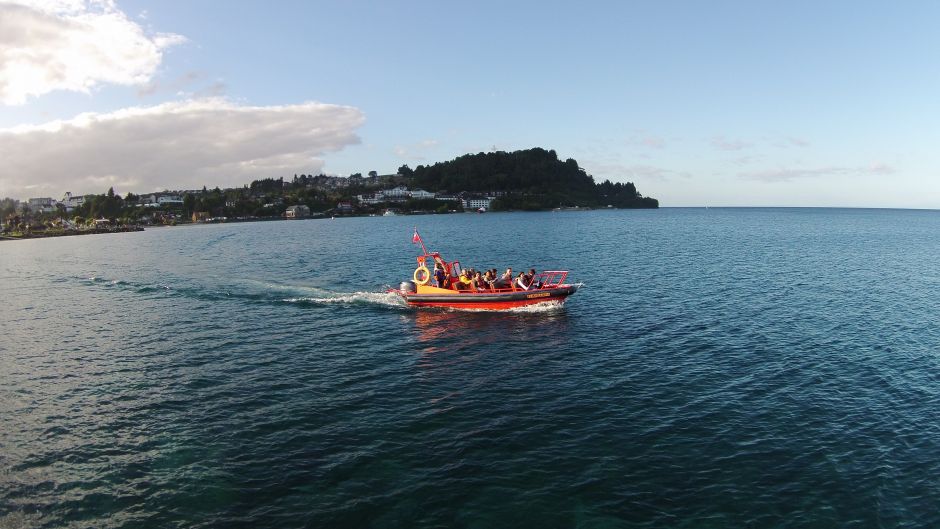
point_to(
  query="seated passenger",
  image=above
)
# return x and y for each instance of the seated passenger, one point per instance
(490, 279)
(465, 282)
(532, 282)
(505, 281)
(522, 281)
(478, 282)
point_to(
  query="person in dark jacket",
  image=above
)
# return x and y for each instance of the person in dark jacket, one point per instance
(440, 276)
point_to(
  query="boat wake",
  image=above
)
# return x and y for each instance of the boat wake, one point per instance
(254, 292)
(271, 292)
(388, 299)
(539, 308)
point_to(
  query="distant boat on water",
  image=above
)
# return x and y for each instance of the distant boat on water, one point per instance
(389, 213)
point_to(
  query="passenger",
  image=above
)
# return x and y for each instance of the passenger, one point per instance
(522, 281)
(490, 279)
(440, 276)
(505, 281)
(466, 282)
(478, 282)
(532, 282)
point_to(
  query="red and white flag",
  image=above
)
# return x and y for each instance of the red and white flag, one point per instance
(416, 239)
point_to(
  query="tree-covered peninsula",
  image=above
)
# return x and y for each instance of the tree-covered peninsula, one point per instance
(530, 179)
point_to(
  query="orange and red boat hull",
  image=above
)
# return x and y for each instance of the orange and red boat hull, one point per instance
(499, 300)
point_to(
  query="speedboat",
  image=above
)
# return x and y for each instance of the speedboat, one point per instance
(545, 287)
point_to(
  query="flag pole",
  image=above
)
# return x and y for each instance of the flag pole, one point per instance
(420, 240)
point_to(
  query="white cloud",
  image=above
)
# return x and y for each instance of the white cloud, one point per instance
(618, 172)
(645, 141)
(797, 142)
(722, 144)
(793, 173)
(74, 45)
(180, 145)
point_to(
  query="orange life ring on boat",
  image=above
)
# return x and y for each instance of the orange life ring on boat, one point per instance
(424, 274)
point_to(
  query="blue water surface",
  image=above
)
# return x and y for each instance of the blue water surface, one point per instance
(720, 368)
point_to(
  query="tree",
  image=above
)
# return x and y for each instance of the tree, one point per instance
(373, 174)
(189, 204)
(7, 207)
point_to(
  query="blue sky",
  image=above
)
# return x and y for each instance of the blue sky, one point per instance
(724, 103)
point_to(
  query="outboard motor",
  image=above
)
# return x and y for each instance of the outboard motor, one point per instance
(408, 287)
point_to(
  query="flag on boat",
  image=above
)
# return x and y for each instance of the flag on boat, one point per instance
(416, 239)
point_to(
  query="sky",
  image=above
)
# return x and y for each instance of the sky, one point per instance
(725, 103)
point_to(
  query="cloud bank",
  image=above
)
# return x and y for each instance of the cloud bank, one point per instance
(618, 172)
(178, 145)
(790, 174)
(74, 45)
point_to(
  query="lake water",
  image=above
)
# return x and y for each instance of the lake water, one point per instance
(720, 368)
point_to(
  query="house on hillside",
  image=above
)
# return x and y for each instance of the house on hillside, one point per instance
(170, 200)
(71, 202)
(42, 205)
(398, 193)
(370, 198)
(297, 212)
(420, 194)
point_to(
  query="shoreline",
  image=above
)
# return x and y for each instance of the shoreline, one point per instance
(68, 233)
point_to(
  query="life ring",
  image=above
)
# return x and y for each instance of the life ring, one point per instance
(424, 274)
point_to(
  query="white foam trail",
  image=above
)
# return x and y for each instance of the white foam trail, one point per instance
(267, 285)
(544, 307)
(389, 299)
(548, 306)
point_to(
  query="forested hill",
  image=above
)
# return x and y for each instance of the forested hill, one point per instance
(531, 179)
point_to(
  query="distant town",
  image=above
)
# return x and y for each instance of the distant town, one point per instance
(529, 180)
(268, 199)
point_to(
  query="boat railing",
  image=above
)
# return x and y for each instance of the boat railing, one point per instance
(551, 278)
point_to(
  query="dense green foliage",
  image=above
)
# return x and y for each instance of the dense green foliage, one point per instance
(7, 207)
(528, 179)
(107, 206)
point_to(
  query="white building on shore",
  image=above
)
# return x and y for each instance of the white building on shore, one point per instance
(297, 212)
(170, 200)
(420, 194)
(476, 203)
(398, 194)
(71, 202)
(42, 205)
